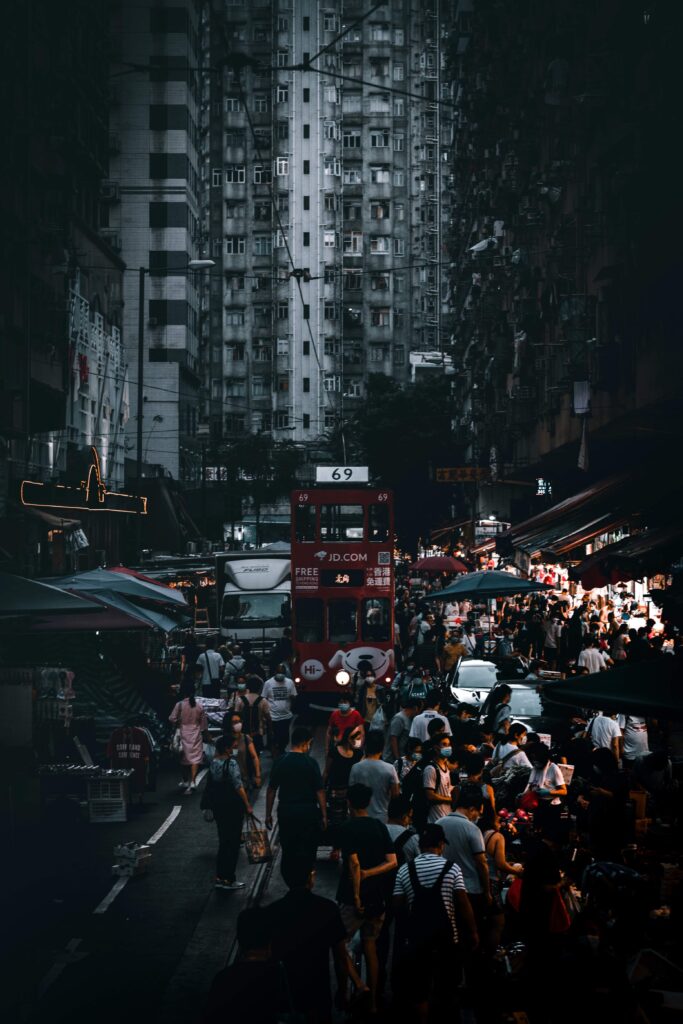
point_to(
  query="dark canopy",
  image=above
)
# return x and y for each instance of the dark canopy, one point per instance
(648, 688)
(489, 583)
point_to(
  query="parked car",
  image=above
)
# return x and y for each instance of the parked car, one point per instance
(472, 679)
(538, 714)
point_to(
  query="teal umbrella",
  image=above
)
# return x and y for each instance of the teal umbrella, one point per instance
(489, 583)
(648, 688)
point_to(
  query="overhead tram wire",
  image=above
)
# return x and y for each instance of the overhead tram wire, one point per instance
(354, 24)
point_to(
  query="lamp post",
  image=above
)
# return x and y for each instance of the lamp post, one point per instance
(142, 272)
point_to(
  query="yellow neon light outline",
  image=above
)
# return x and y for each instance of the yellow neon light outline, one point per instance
(85, 487)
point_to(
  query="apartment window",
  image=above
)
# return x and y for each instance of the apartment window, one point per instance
(331, 382)
(168, 215)
(379, 211)
(329, 239)
(282, 58)
(379, 68)
(282, 131)
(281, 421)
(235, 174)
(216, 177)
(307, 95)
(354, 388)
(307, 131)
(352, 280)
(261, 313)
(330, 347)
(234, 317)
(307, 202)
(380, 175)
(399, 211)
(379, 138)
(307, 311)
(351, 138)
(353, 242)
(380, 316)
(307, 238)
(306, 421)
(307, 166)
(398, 319)
(282, 166)
(352, 176)
(379, 283)
(331, 94)
(399, 106)
(399, 355)
(263, 245)
(283, 93)
(235, 353)
(261, 138)
(399, 247)
(330, 420)
(306, 348)
(232, 104)
(380, 33)
(380, 103)
(217, 248)
(330, 23)
(168, 311)
(234, 282)
(168, 165)
(282, 382)
(331, 131)
(235, 387)
(332, 166)
(283, 310)
(259, 388)
(379, 245)
(330, 202)
(170, 259)
(306, 385)
(262, 354)
(260, 103)
(282, 24)
(377, 353)
(282, 346)
(352, 102)
(399, 72)
(163, 117)
(306, 24)
(262, 175)
(399, 142)
(399, 178)
(352, 211)
(283, 203)
(262, 211)
(331, 311)
(329, 275)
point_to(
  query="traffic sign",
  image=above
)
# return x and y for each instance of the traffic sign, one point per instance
(341, 474)
(462, 474)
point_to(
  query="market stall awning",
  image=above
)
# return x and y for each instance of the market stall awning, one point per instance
(153, 617)
(649, 688)
(642, 554)
(489, 583)
(104, 619)
(21, 596)
(98, 580)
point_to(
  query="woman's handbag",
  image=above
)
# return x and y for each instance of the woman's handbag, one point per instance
(177, 741)
(256, 841)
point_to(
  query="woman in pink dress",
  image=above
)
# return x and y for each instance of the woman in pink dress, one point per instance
(191, 719)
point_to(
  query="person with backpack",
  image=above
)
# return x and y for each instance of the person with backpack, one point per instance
(254, 711)
(212, 666)
(430, 894)
(407, 848)
(405, 764)
(436, 779)
(498, 714)
(420, 724)
(234, 667)
(226, 797)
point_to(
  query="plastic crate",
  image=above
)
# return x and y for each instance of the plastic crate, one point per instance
(102, 811)
(108, 789)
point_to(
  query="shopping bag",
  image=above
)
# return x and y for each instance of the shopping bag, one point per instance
(177, 742)
(378, 721)
(256, 841)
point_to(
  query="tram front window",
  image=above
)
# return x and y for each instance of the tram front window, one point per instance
(341, 621)
(376, 619)
(309, 619)
(341, 523)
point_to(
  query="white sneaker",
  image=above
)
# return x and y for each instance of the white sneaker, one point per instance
(182, 785)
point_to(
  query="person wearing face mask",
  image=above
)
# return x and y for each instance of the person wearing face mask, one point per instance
(345, 717)
(243, 749)
(342, 756)
(412, 756)
(253, 710)
(436, 780)
(370, 697)
(465, 846)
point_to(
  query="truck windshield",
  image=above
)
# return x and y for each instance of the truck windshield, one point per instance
(255, 610)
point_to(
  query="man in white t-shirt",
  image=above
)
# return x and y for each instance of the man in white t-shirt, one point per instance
(420, 725)
(634, 738)
(603, 731)
(591, 656)
(212, 666)
(280, 691)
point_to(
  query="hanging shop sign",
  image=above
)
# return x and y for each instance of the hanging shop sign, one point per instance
(91, 495)
(462, 474)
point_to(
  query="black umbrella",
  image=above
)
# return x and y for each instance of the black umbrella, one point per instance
(19, 596)
(489, 583)
(645, 688)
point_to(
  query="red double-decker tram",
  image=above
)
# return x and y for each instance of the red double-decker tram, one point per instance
(342, 588)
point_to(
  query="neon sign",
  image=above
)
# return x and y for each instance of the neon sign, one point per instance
(90, 496)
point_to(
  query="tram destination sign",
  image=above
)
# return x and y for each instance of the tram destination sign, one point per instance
(342, 475)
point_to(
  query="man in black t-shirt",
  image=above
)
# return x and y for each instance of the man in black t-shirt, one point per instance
(368, 853)
(249, 988)
(306, 928)
(302, 808)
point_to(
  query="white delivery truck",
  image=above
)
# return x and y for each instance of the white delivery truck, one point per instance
(253, 592)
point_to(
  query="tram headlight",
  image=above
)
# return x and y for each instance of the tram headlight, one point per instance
(387, 679)
(343, 678)
(297, 680)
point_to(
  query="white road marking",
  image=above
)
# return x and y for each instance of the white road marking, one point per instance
(166, 825)
(121, 883)
(200, 776)
(116, 888)
(70, 956)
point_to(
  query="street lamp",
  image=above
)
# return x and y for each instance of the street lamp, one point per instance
(191, 265)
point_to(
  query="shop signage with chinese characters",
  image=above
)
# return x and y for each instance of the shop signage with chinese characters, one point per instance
(462, 474)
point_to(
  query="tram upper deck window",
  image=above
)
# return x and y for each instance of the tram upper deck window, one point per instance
(376, 619)
(304, 519)
(341, 523)
(379, 523)
(309, 619)
(341, 621)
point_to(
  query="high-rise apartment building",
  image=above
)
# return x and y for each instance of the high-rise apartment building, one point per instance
(153, 219)
(324, 198)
